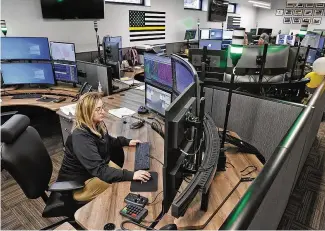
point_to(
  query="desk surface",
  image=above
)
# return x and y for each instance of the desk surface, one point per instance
(54, 92)
(65, 226)
(105, 208)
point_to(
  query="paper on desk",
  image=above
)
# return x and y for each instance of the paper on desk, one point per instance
(129, 82)
(120, 112)
(141, 88)
(69, 109)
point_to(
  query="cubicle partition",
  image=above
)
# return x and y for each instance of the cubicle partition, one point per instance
(264, 202)
(93, 73)
(262, 122)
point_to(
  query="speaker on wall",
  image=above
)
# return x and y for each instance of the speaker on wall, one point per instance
(218, 11)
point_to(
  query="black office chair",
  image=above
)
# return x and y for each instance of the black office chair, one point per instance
(26, 159)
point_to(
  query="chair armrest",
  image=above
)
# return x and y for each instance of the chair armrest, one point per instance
(65, 186)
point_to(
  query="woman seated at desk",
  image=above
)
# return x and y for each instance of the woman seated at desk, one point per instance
(92, 156)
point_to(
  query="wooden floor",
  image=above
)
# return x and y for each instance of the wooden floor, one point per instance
(306, 208)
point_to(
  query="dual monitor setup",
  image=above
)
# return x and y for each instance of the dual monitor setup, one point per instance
(171, 92)
(32, 60)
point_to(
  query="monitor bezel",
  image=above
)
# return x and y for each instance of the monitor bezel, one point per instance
(160, 88)
(63, 81)
(59, 60)
(50, 58)
(10, 84)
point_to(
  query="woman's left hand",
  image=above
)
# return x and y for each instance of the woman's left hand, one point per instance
(134, 142)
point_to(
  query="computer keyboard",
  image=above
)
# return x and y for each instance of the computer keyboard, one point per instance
(27, 96)
(142, 157)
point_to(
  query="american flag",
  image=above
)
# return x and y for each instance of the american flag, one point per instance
(146, 25)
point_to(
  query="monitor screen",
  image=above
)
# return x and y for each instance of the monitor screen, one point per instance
(157, 99)
(216, 34)
(73, 9)
(63, 51)
(190, 34)
(183, 77)
(158, 69)
(204, 33)
(27, 73)
(264, 30)
(25, 48)
(227, 34)
(66, 72)
(211, 44)
(311, 56)
(283, 39)
(321, 42)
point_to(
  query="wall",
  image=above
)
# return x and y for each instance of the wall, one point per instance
(267, 19)
(24, 18)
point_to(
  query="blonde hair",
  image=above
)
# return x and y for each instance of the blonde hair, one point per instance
(85, 112)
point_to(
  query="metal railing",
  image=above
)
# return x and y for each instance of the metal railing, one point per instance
(244, 212)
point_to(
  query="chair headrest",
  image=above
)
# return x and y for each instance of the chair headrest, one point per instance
(13, 128)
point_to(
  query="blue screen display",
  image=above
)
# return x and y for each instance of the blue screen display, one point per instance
(211, 44)
(184, 77)
(66, 72)
(158, 69)
(311, 56)
(216, 34)
(27, 73)
(25, 48)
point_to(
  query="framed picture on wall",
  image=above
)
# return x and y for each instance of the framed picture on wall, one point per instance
(319, 5)
(317, 21)
(300, 5)
(318, 12)
(297, 12)
(309, 5)
(296, 20)
(308, 12)
(279, 12)
(286, 20)
(308, 20)
(288, 12)
(291, 5)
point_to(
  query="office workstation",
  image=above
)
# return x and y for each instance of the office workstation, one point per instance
(178, 115)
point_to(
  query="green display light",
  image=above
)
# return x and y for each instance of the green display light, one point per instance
(302, 33)
(4, 30)
(236, 49)
(236, 52)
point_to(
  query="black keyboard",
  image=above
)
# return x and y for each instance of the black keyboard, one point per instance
(27, 96)
(142, 157)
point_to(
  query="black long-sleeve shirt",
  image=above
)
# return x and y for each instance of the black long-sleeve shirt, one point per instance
(87, 156)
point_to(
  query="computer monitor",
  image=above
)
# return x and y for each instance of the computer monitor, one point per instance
(312, 55)
(65, 72)
(183, 74)
(157, 99)
(210, 44)
(158, 70)
(291, 40)
(25, 48)
(190, 34)
(176, 136)
(225, 44)
(216, 34)
(253, 31)
(205, 34)
(63, 51)
(27, 73)
(283, 39)
(114, 39)
(321, 42)
(227, 34)
(264, 30)
(112, 51)
(218, 59)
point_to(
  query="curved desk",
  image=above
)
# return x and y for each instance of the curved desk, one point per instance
(55, 92)
(105, 208)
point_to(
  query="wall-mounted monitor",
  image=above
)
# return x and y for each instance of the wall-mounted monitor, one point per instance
(63, 51)
(73, 9)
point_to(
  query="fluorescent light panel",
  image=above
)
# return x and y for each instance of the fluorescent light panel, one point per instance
(262, 6)
(260, 3)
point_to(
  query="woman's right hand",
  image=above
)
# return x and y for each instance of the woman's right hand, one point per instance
(144, 176)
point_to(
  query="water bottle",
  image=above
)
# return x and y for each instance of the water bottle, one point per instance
(99, 88)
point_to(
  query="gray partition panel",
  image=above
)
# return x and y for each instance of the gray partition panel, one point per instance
(94, 74)
(258, 121)
(271, 210)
